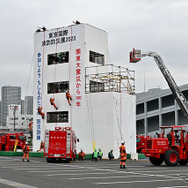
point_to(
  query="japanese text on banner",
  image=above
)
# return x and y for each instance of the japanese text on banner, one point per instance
(78, 74)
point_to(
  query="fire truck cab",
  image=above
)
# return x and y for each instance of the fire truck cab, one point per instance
(140, 142)
(60, 144)
(7, 141)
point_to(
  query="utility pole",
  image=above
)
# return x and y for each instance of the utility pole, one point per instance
(14, 112)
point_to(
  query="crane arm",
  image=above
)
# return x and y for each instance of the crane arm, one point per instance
(178, 95)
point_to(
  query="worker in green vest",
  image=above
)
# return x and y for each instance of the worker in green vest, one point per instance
(100, 154)
(95, 155)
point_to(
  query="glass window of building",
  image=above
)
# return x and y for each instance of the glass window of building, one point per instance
(58, 87)
(58, 117)
(96, 58)
(96, 86)
(58, 58)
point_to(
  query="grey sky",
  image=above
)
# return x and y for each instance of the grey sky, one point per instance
(150, 25)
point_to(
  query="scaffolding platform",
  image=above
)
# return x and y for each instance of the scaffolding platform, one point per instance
(109, 78)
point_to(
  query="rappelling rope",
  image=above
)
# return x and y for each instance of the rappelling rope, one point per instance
(119, 127)
(89, 107)
(70, 77)
(43, 136)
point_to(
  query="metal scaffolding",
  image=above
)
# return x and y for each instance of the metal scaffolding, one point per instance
(109, 78)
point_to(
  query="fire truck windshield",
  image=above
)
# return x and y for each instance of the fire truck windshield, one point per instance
(12, 137)
(22, 138)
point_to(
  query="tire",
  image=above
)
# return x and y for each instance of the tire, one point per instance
(49, 160)
(139, 150)
(156, 161)
(183, 162)
(171, 157)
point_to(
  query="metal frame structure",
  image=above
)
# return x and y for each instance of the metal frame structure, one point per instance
(109, 78)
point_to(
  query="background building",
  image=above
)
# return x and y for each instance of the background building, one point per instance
(0, 114)
(16, 121)
(9, 95)
(102, 112)
(157, 108)
(28, 105)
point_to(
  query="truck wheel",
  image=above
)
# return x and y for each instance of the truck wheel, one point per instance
(49, 160)
(139, 150)
(171, 157)
(183, 162)
(156, 161)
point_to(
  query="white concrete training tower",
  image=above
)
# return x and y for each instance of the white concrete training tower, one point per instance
(102, 110)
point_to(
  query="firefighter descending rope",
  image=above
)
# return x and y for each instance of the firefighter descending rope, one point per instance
(30, 125)
(40, 112)
(41, 146)
(52, 103)
(68, 96)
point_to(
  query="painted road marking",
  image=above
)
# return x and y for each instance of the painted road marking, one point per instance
(94, 173)
(57, 170)
(15, 184)
(131, 182)
(24, 166)
(107, 177)
(182, 170)
(31, 169)
(175, 186)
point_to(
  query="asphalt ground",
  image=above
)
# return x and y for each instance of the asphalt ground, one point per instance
(39, 174)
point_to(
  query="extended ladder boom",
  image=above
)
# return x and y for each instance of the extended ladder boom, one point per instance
(178, 95)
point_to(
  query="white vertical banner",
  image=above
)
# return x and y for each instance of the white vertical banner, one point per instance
(78, 77)
(39, 95)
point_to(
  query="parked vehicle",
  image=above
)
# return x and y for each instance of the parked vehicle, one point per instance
(60, 144)
(8, 141)
(172, 149)
(140, 143)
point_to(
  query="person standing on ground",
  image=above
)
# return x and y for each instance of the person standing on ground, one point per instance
(123, 154)
(26, 150)
(95, 155)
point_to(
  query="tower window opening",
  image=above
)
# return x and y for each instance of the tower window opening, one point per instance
(96, 58)
(96, 86)
(58, 58)
(58, 117)
(58, 87)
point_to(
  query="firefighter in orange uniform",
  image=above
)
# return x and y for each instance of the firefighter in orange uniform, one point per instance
(40, 112)
(26, 150)
(68, 96)
(52, 103)
(81, 155)
(41, 146)
(123, 154)
(30, 125)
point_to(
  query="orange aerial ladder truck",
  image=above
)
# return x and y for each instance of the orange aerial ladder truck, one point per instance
(169, 150)
(136, 56)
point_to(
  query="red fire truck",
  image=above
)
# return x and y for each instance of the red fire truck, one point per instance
(7, 141)
(60, 144)
(140, 142)
(172, 149)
